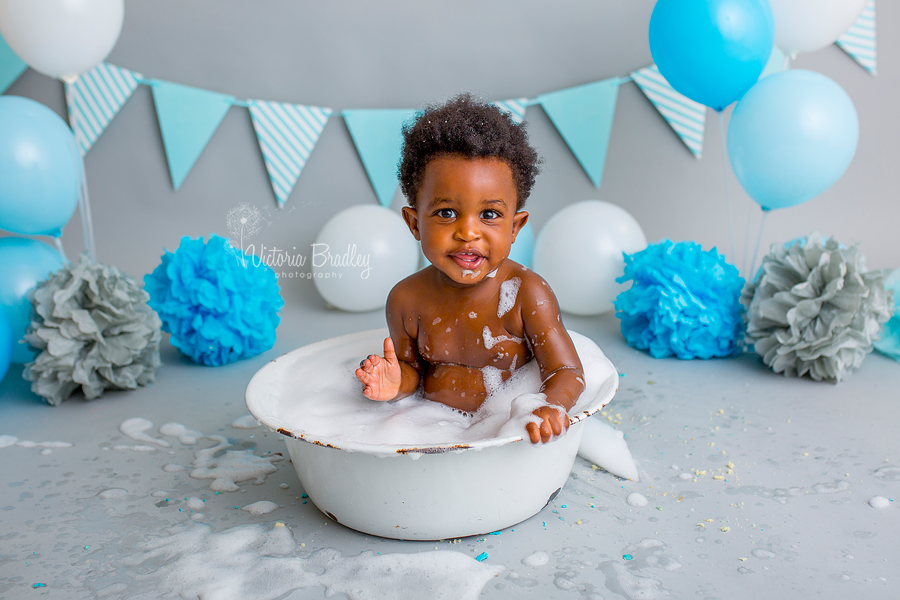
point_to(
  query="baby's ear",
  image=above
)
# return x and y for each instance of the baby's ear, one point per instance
(412, 221)
(519, 220)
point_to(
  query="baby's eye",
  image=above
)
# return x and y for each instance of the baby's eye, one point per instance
(490, 214)
(445, 213)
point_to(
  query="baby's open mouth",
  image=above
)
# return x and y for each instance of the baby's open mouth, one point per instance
(468, 260)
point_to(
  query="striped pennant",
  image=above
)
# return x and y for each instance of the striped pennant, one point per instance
(287, 134)
(859, 40)
(95, 98)
(515, 108)
(686, 117)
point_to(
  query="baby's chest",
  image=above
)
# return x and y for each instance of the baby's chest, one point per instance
(472, 342)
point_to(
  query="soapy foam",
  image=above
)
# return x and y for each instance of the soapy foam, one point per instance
(535, 560)
(879, 502)
(636, 499)
(509, 289)
(227, 468)
(245, 422)
(259, 562)
(489, 340)
(186, 436)
(332, 407)
(11, 440)
(605, 447)
(137, 448)
(194, 503)
(260, 508)
(135, 428)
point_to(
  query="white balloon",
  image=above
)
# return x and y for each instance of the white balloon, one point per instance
(61, 38)
(360, 254)
(579, 253)
(808, 25)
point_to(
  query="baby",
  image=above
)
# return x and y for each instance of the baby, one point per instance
(466, 172)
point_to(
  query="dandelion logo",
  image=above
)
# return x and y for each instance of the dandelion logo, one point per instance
(243, 221)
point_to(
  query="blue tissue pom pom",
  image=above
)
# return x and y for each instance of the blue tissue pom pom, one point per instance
(682, 301)
(218, 304)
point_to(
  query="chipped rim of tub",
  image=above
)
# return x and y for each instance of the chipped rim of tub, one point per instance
(259, 400)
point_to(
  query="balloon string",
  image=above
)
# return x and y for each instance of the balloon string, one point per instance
(725, 174)
(62, 252)
(746, 253)
(87, 224)
(84, 201)
(758, 242)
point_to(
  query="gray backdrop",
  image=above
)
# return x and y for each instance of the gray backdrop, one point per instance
(406, 53)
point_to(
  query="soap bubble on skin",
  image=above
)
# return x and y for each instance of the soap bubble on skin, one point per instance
(509, 289)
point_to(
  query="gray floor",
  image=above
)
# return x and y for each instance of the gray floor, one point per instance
(792, 519)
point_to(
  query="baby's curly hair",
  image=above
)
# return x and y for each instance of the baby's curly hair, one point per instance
(470, 128)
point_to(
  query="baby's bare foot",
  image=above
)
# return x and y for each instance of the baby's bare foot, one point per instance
(380, 376)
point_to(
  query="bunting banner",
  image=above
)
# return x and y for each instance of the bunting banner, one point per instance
(287, 134)
(686, 117)
(515, 108)
(859, 40)
(95, 98)
(378, 140)
(583, 115)
(188, 118)
(11, 66)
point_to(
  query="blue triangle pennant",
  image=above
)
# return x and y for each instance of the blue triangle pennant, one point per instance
(96, 98)
(859, 40)
(583, 115)
(188, 118)
(378, 139)
(686, 117)
(287, 134)
(11, 66)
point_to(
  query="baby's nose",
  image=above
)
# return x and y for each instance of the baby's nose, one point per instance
(468, 229)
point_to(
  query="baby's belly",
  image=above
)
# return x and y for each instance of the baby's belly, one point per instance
(456, 386)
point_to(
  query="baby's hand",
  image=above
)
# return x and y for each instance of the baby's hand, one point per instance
(553, 423)
(380, 376)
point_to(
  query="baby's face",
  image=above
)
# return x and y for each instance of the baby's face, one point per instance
(465, 216)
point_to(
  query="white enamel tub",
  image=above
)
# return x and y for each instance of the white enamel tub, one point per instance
(420, 491)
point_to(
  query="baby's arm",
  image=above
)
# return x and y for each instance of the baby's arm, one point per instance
(396, 374)
(561, 372)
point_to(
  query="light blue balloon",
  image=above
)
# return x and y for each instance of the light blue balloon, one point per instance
(23, 263)
(791, 137)
(711, 51)
(522, 250)
(6, 344)
(40, 169)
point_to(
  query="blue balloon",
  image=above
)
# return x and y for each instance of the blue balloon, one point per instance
(23, 263)
(522, 250)
(711, 51)
(40, 169)
(6, 344)
(791, 137)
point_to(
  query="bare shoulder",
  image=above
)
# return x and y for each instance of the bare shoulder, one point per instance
(533, 292)
(408, 290)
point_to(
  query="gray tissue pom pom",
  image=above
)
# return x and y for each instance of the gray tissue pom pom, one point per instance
(815, 309)
(94, 329)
